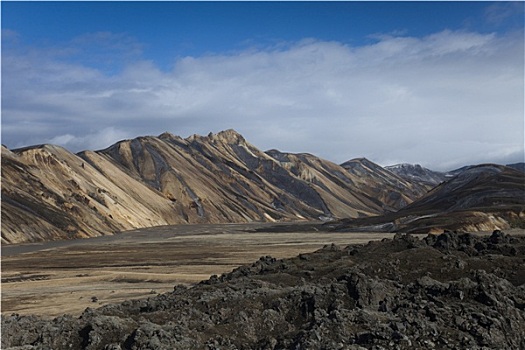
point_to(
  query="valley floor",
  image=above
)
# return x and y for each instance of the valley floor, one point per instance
(54, 278)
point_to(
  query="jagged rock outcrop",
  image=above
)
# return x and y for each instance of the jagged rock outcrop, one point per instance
(451, 291)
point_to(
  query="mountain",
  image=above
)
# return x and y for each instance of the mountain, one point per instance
(483, 197)
(479, 187)
(384, 185)
(415, 173)
(49, 193)
(517, 166)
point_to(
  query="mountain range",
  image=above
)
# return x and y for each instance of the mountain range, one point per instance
(49, 193)
(478, 198)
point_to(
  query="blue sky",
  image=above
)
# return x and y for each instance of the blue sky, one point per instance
(420, 82)
(167, 30)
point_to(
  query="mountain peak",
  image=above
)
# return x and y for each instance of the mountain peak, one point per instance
(417, 173)
(167, 135)
(404, 166)
(45, 147)
(360, 159)
(359, 162)
(228, 136)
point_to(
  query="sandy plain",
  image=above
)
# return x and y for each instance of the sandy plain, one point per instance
(54, 278)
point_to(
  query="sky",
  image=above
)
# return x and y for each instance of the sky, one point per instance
(439, 84)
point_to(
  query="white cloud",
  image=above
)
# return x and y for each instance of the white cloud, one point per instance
(62, 140)
(500, 12)
(96, 140)
(441, 100)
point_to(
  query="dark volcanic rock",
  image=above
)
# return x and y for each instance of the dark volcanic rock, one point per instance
(452, 291)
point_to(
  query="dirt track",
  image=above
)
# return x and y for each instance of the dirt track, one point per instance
(66, 277)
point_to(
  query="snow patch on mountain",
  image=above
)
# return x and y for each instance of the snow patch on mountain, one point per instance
(417, 173)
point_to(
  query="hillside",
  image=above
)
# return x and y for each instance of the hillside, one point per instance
(484, 197)
(49, 193)
(417, 174)
(397, 191)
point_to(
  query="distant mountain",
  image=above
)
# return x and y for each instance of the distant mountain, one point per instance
(49, 193)
(477, 188)
(484, 197)
(517, 166)
(418, 174)
(451, 173)
(386, 186)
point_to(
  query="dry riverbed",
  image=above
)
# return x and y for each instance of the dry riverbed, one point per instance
(54, 278)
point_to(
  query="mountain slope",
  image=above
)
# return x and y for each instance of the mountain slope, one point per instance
(479, 187)
(517, 166)
(49, 193)
(415, 173)
(483, 197)
(210, 175)
(384, 185)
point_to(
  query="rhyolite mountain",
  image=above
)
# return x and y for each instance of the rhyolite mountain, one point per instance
(49, 193)
(415, 173)
(396, 190)
(517, 166)
(478, 198)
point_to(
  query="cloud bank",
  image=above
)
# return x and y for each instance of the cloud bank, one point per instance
(444, 100)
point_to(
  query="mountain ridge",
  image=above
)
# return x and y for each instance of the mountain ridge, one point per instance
(479, 198)
(49, 193)
(417, 173)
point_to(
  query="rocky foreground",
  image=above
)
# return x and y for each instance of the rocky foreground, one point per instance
(452, 291)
